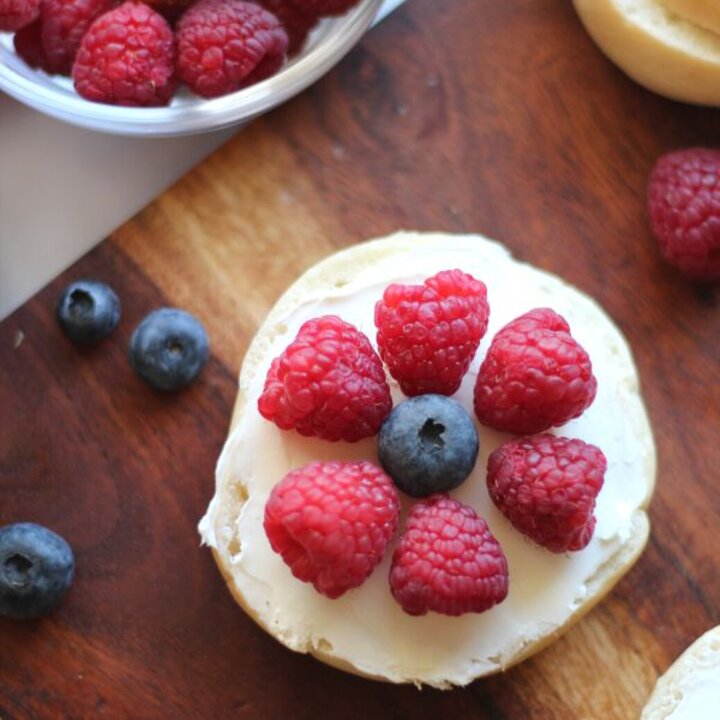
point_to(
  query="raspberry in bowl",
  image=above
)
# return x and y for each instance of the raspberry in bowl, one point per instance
(25, 72)
(463, 588)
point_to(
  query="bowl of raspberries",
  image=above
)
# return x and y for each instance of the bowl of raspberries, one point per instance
(170, 67)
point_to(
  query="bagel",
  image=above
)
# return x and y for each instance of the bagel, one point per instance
(662, 51)
(365, 631)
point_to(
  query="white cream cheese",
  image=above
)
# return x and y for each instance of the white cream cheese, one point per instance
(365, 627)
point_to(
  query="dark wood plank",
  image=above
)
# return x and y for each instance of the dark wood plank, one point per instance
(501, 118)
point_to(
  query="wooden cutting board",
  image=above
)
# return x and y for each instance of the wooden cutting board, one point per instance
(501, 118)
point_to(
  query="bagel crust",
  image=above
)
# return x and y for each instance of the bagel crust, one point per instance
(365, 631)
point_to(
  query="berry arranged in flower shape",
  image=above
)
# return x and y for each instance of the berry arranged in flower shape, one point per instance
(447, 561)
(225, 45)
(546, 486)
(684, 210)
(36, 570)
(428, 444)
(87, 311)
(535, 376)
(332, 522)
(169, 348)
(428, 334)
(328, 383)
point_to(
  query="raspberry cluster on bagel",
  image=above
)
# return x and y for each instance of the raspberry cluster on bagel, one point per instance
(332, 522)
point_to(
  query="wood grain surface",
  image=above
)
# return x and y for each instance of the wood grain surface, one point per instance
(474, 115)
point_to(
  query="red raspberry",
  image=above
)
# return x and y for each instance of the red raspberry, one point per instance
(323, 8)
(296, 23)
(64, 22)
(126, 58)
(546, 486)
(16, 14)
(428, 334)
(28, 45)
(534, 376)
(328, 383)
(684, 210)
(225, 45)
(332, 522)
(447, 561)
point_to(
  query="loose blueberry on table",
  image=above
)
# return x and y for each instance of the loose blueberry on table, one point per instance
(88, 311)
(169, 348)
(36, 570)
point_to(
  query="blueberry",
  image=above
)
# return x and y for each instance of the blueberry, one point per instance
(428, 444)
(36, 570)
(88, 311)
(169, 348)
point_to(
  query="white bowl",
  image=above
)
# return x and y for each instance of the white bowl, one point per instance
(187, 114)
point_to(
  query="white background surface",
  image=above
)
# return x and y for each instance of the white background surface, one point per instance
(63, 189)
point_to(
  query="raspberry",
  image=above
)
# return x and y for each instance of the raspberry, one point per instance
(16, 14)
(546, 486)
(296, 23)
(224, 45)
(28, 45)
(64, 22)
(447, 561)
(322, 8)
(331, 522)
(126, 58)
(684, 210)
(534, 376)
(328, 383)
(428, 334)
